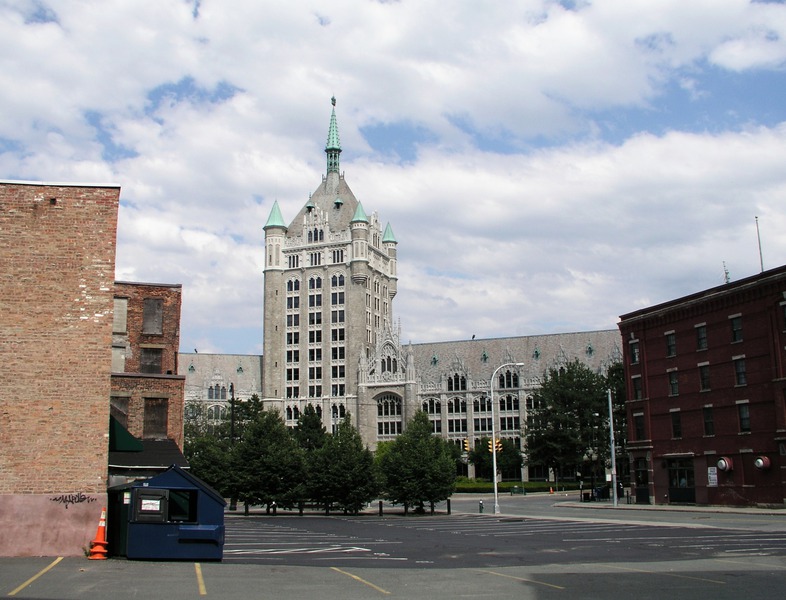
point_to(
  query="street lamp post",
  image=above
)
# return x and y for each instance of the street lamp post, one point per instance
(494, 434)
(613, 457)
(233, 498)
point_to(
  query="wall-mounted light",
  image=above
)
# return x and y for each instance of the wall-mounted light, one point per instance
(725, 464)
(762, 463)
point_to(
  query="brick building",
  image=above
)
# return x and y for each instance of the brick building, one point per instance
(147, 393)
(57, 252)
(706, 378)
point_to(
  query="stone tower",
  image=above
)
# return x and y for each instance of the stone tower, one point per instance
(330, 279)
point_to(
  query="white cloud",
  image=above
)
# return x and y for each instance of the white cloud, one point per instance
(514, 213)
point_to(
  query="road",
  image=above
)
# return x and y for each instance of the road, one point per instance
(538, 548)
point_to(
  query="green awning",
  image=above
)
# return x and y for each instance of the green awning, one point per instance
(120, 440)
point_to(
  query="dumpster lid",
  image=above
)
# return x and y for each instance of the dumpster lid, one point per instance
(176, 477)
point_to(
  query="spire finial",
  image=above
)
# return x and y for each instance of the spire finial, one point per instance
(333, 146)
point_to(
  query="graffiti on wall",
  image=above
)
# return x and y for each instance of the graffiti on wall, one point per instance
(69, 499)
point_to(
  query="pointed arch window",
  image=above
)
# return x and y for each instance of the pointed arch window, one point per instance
(389, 416)
(457, 405)
(457, 383)
(433, 408)
(509, 379)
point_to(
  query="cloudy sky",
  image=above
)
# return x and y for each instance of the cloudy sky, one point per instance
(545, 165)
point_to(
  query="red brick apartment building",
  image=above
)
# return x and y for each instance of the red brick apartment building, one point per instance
(706, 382)
(57, 270)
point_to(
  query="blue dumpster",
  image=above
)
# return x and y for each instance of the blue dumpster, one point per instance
(175, 516)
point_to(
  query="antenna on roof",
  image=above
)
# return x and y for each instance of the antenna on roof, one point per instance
(758, 236)
(726, 277)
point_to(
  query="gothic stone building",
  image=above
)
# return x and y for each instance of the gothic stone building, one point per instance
(330, 339)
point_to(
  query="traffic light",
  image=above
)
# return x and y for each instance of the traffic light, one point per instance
(466, 444)
(498, 444)
(491, 446)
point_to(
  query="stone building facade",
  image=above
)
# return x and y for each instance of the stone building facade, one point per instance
(212, 380)
(330, 340)
(329, 283)
(56, 302)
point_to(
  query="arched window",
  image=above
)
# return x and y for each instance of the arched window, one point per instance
(210, 393)
(389, 421)
(223, 393)
(216, 412)
(433, 408)
(508, 379)
(457, 383)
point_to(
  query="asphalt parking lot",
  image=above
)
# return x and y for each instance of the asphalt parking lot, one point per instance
(537, 548)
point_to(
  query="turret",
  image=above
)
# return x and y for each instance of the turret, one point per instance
(389, 244)
(359, 263)
(275, 230)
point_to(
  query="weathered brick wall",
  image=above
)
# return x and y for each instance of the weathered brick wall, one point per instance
(138, 387)
(57, 266)
(136, 293)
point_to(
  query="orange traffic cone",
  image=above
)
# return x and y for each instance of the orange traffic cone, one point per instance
(98, 545)
(551, 490)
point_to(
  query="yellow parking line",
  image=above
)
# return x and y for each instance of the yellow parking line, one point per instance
(551, 585)
(34, 577)
(361, 580)
(200, 580)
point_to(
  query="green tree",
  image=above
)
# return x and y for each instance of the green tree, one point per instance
(343, 473)
(509, 459)
(566, 421)
(310, 433)
(210, 460)
(418, 467)
(269, 466)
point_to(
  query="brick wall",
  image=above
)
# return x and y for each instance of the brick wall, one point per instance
(135, 338)
(135, 388)
(57, 266)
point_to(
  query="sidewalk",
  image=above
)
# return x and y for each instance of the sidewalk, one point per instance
(700, 508)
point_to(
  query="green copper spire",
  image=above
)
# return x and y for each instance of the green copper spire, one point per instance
(360, 214)
(333, 146)
(275, 219)
(388, 235)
